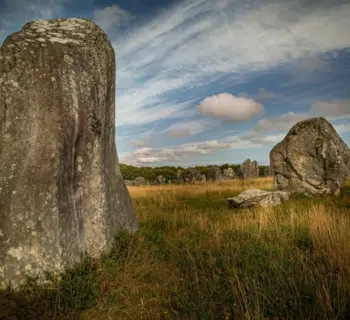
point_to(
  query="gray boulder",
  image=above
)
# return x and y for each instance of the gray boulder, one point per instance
(61, 190)
(179, 176)
(129, 182)
(312, 159)
(203, 178)
(214, 174)
(194, 175)
(229, 173)
(159, 180)
(254, 169)
(240, 173)
(255, 197)
(140, 181)
(245, 169)
(249, 169)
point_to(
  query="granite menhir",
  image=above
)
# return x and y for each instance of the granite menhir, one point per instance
(61, 191)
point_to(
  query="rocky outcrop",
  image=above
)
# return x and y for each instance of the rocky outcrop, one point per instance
(255, 197)
(61, 190)
(214, 174)
(229, 173)
(203, 178)
(140, 181)
(312, 159)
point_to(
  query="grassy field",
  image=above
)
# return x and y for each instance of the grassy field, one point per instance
(193, 258)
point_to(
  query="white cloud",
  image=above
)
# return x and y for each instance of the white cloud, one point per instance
(333, 108)
(188, 128)
(279, 123)
(153, 156)
(198, 41)
(265, 95)
(109, 17)
(228, 107)
(142, 142)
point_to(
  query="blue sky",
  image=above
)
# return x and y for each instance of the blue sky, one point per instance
(205, 82)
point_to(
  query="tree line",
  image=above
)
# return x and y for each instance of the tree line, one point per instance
(169, 172)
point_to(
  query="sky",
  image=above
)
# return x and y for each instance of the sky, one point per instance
(211, 82)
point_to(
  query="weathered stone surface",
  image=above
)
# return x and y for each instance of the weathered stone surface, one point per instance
(61, 190)
(249, 169)
(159, 180)
(254, 169)
(140, 181)
(246, 169)
(214, 174)
(203, 178)
(255, 197)
(312, 159)
(194, 175)
(229, 173)
(240, 173)
(179, 176)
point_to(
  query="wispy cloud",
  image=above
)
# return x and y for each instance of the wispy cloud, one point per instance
(189, 128)
(189, 45)
(332, 110)
(152, 156)
(15, 13)
(265, 95)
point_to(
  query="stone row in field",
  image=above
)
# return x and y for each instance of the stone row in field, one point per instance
(248, 170)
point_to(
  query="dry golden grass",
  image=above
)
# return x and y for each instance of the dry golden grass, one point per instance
(201, 188)
(193, 258)
(303, 245)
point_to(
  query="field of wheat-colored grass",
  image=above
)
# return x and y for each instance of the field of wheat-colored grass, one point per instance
(193, 258)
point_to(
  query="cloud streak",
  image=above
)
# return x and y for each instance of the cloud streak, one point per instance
(188, 47)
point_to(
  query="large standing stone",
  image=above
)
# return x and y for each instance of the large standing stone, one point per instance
(312, 159)
(254, 169)
(249, 169)
(194, 175)
(61, 190)
(214, 174)
(159, 180)
(246, 169)
(229, 173)
(179, 176)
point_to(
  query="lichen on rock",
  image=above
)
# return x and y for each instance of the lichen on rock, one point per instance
(61, 191)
